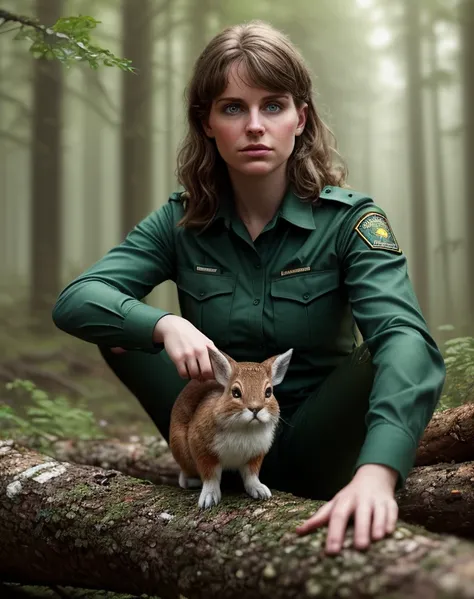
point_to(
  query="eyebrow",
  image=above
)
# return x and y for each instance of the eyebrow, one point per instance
(270, 97)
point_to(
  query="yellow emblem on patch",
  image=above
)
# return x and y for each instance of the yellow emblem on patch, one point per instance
(377, 233)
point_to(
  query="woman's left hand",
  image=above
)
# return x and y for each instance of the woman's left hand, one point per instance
(370, 498)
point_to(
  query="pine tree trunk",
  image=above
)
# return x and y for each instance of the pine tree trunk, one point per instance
(466, 14)
(419, 224)
(46, 177)
(93, 165)
(136, 134)
(71, 525)
(447, 311)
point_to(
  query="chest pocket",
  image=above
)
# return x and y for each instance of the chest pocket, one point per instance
(305, 308)
(206, 301)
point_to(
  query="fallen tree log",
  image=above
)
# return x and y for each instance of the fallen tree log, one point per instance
(438, 497)
(66, 524)
(448, 437)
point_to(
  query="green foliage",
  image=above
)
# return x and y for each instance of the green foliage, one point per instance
(67, 41)
(47, 420)
(459, 360)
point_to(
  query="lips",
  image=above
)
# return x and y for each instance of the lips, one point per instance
(254, 147)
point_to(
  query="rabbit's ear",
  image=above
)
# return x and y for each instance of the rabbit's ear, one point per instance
(221, 366)
(280, 366)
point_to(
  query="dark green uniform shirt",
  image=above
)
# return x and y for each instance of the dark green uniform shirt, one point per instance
(302, 283)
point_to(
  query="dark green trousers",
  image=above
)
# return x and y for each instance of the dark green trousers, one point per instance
(317, 443)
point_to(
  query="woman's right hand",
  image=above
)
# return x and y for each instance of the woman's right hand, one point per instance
(186, 346)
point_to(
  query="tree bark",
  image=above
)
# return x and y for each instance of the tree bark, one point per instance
(448, 306)
(136, 133)
(415, 140)
(439, 497)
(71, 525)
(46, 178)
(466, 22)
(448, 436)
(93, 166)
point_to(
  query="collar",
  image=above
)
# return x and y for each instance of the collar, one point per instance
(293, 209)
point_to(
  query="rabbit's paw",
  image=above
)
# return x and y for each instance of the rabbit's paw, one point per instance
(186, 482)
(210, 494)
(258, 490)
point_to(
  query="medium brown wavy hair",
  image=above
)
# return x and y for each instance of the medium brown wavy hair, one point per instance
(272, 62)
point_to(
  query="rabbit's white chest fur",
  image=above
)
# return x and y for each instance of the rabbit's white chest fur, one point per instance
(236, 447)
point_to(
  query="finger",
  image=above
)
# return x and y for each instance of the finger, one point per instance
(392, 516)
(362, 524)
(193, 368)
(338, 524)
(318, 519)
(205, 365)
(379, 522)
(181, 367)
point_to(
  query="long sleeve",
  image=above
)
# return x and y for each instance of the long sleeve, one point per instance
(103, 304)
(409, 369)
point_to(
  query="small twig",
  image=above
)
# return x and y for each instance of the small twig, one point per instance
(8, 17)
(9, 30)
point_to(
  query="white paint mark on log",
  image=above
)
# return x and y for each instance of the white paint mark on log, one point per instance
(34, 469)
(40, 473)
(45, 476)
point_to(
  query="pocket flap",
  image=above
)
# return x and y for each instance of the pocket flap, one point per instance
(203, 286)
(305, 288)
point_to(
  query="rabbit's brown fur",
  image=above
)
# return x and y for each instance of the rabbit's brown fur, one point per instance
(212, 430)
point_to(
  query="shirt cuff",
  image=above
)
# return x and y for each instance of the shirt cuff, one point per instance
(388, 445)
(139, 325)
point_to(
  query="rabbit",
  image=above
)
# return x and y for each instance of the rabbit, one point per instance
(227, 423)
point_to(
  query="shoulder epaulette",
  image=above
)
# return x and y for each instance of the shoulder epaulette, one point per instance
(344, 195)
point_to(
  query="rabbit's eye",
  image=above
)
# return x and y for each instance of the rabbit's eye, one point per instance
(236, 392)
(268, 392)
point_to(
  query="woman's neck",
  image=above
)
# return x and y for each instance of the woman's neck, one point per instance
(257, 199)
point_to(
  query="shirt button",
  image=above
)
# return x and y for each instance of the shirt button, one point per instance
(201, 293)
(256, 302)
(306, 296)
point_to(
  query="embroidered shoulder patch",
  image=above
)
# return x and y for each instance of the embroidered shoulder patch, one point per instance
(377, 233)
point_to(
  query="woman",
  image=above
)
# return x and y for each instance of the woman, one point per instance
(270, 250)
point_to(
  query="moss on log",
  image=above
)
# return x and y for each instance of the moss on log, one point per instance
(67, 524)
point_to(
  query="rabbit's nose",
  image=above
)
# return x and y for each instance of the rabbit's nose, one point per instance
(255, 411)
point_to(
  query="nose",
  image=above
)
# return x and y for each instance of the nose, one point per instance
(254, 123)
(255, 411)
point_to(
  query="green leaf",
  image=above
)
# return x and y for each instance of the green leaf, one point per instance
(68, 41)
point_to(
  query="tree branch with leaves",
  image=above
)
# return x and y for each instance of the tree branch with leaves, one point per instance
(68, 40)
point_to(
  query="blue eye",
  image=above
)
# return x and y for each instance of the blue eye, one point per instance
(276, 107)
(229, 108)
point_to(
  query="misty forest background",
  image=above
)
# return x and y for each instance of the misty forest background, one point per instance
(86, 153)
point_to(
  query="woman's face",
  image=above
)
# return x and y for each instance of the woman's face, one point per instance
(243, 117)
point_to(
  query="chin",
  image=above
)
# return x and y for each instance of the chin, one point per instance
(256, 169)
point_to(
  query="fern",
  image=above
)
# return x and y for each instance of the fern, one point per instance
(459, 361)
(47, 420)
